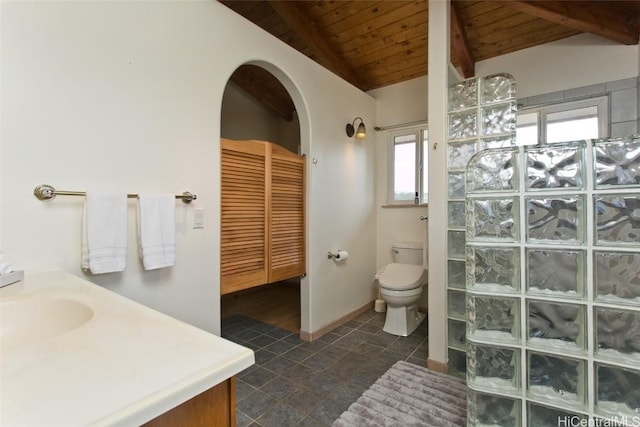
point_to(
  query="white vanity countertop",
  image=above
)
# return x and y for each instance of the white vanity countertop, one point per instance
(124, 366)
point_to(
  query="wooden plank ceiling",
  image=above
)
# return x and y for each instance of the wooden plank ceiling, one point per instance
(373, 44)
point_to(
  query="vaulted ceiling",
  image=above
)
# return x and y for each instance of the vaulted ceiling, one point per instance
(373, 44)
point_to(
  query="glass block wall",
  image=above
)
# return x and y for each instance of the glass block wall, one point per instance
(553, 284)
(481, 115)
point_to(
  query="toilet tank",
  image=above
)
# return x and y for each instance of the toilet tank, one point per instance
(407, 253)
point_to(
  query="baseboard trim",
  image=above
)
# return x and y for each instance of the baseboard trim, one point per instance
(311, 336)
(434, 365)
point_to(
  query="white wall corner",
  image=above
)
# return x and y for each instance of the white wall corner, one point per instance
(438, 60)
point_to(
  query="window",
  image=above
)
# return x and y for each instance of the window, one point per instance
(569, 121)
(408, 166)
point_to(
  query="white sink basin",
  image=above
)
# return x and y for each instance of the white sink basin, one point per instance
(26, 320)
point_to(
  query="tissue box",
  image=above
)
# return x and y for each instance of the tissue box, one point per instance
(13, 277)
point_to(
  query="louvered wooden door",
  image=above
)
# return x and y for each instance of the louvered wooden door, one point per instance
(287, 234)
(262, 221)
(244, 220)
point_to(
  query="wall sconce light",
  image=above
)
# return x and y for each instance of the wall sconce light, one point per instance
(360, 133)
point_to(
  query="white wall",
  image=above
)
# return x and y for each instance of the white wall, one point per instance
(438, 58)
(400, 103)
(397, 104)
(576, 61)
(126, 96)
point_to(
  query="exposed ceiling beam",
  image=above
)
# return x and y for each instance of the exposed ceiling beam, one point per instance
(313, 36)
(598, 18)
(460, 43)
(265, 88)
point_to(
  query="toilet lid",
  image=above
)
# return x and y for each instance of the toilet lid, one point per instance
(399, 277)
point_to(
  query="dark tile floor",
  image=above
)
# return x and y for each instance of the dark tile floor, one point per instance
(298, 383)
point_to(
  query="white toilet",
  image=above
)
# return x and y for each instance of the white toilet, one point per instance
(401, 285)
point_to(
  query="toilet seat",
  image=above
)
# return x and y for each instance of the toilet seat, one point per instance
(401, 277)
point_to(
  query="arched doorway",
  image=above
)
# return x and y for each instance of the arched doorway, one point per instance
(257, 106)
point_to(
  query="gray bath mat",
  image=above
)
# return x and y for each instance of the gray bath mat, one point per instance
(409, 395)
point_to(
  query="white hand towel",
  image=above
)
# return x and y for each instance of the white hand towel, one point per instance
(104, 232)
(157, 230)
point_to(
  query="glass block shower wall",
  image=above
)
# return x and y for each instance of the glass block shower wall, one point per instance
(481, 115)
(553, 284)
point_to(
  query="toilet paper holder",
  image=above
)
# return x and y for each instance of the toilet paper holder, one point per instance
(338, 256)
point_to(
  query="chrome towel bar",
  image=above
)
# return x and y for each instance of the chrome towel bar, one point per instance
(47, 192)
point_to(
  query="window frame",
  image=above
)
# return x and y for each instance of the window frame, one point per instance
(422, 134)
(543, 110)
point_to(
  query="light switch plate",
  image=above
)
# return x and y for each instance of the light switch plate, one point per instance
(198, 218)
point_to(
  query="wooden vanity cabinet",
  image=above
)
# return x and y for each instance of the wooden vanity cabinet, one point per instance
(214, 407)
(262, 214)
